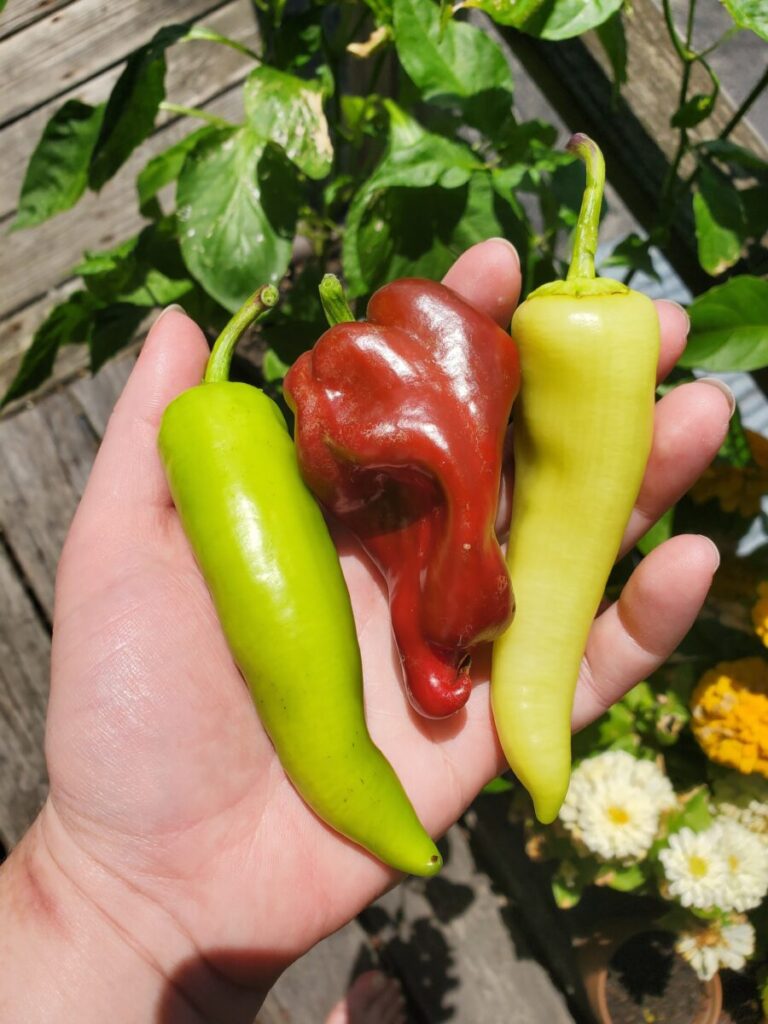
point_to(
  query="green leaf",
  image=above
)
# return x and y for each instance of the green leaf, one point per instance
(419, 231)
(454, 64)
(622, 879)
(729, 326)
(550, 19)
(693, 111)
(237, 208)
(720, 223)
(166, 167)
(132, 106)
(634, 252)
(68, 322)
(144, 271)
(735, 449)
(498, 785)
(273, 367)
(658, 533)
(695, 815)
(730, 153)
(751, 14)
(114, 327)
(614, 41)
(57, 172)
(288, 111)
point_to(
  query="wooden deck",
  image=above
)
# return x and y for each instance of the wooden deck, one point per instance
(465, 950)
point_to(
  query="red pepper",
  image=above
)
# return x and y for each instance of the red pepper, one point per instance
(400, 424)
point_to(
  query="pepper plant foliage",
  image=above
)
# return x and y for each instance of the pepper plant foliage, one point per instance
(385, 133)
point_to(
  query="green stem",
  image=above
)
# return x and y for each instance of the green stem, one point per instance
(199, 33)
(201, 115)
(335, 306)
(585, 237)
(746, 104)
(257, 306)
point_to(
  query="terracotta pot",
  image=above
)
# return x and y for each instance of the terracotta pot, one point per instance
(595, 954)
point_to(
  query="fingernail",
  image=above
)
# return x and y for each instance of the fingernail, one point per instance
(173, 308)
(683, 310)
(717, 553)
(506, 241)
(723, 388)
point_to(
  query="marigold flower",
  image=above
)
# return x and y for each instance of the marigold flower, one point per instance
(737, 488)
(730, 714)
(760, 613)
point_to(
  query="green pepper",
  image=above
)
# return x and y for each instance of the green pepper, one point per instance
(582, 430)
(264, 550)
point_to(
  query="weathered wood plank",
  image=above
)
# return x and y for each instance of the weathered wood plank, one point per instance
(77, 42)
(20, 13)
(196, 71)
(654, 72)
(40, 258)
(24, 673)
(459, 949)
(44, 459)
(309, 988)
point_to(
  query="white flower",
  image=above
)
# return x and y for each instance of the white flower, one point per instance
(744, 798)
(695, 868)
(746, 858)
(614, 802)
(707, 949)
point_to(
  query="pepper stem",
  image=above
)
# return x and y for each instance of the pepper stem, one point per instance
(253, 309)
(335, 306)
(585, 237)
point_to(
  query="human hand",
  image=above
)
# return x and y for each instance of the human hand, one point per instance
(168, 809)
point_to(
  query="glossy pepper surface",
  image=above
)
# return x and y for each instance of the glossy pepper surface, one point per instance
(400, 424)
(582, 432)
(263, 547)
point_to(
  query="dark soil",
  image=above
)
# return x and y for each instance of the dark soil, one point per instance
(740, 998)
(647, 982)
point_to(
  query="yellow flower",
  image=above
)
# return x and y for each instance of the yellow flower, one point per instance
(737, 488)
(730, 714)
(760, 613)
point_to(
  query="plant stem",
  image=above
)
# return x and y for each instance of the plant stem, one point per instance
(199, 33)
(259, 304)
(746, 104)
(334, 302)
(585, 237)
(687, 56)
(201, 115)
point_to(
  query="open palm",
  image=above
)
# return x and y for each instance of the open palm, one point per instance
(167, 802)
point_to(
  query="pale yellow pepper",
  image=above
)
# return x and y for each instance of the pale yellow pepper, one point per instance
(582, 430)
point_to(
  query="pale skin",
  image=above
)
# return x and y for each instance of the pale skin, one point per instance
(173, 872)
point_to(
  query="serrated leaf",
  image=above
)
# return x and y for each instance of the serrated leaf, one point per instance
(658, 533)
(729, 326)
(693, 111)
(720, 223)
(57, 172)
(132, 106)
(550, 19)
(288, 111)
(453, 64)
(114, 327)
(164, 168)
(237, 208)
(68, 322)
(751, 14)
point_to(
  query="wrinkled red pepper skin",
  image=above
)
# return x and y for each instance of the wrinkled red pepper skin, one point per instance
(400, 424)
